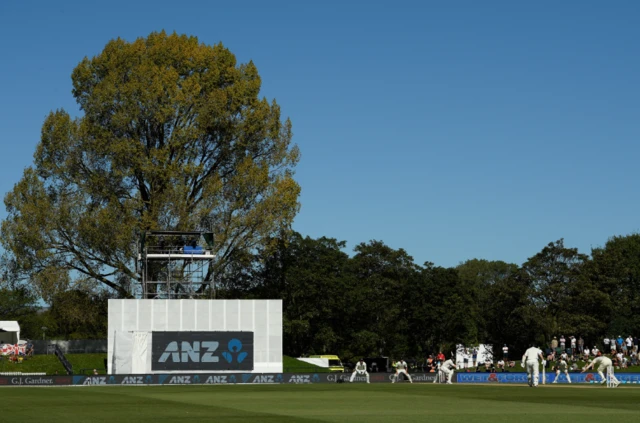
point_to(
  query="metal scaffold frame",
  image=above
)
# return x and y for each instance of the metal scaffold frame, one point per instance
(175, 265)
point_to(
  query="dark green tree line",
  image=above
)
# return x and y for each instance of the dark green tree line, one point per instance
(380, 302)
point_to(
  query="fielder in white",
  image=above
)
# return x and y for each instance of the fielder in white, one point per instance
(531, 363)
(604, 363)
(562, 367)
(401, 367)
(361, 369)
(447, 369)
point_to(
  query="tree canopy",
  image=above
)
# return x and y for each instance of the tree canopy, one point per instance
(173, 136)
(379, 301)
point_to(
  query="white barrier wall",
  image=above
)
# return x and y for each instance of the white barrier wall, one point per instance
(133, 322)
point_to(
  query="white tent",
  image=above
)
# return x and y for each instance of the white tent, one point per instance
(9, 332)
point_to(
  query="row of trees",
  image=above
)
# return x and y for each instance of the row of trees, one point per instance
(379, 301)
(72, 314)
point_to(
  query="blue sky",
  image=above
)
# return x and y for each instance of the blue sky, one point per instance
(452, 129)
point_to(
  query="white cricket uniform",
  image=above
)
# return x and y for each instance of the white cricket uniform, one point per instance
(604, 363)
(401, 367)
(447, 368)
(361, 369)
(562, 368)
(531, 363)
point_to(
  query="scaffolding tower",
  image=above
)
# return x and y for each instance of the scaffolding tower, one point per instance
(175, 265)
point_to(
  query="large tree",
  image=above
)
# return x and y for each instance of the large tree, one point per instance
(615, 271)
(442, 311)
(173, 135)
(380, 298)
(310, 276)
(483, 279)
(564, 298)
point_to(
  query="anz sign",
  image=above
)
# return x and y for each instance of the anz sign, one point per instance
(202, 351)
(185, 352)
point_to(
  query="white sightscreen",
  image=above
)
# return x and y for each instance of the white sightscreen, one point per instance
(120, 362)
(139, 352)
(129, 350)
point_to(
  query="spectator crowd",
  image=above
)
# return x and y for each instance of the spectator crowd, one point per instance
(622, 350)
(16, 352)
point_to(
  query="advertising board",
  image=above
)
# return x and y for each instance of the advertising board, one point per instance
(204, 379)
(208, 351)
(521, 377)
(284, 378)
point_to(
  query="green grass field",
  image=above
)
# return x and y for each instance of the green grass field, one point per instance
(322, 403)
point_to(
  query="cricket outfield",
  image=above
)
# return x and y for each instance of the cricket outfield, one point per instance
(360, 402)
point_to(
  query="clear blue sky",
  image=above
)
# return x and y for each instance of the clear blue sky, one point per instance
(452, 129)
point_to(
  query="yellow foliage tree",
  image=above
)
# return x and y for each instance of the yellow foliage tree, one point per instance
(173, 136)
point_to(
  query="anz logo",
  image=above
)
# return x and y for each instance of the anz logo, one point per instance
(300, 379)
(130, 380)
(202, 352)
(180, 380)
(95, 380)
(267, 379)
(216, 379)
(199, 352)
(235, 351)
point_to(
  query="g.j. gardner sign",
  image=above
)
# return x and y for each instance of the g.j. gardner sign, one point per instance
(208, 351)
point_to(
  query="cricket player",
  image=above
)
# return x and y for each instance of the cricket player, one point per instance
(361, 369)
(401, 367)
(604, 363)
(531, 363)
(564, 368)
(447, 369)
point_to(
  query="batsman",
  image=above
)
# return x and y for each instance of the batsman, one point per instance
(446, 371)
(532, 365)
